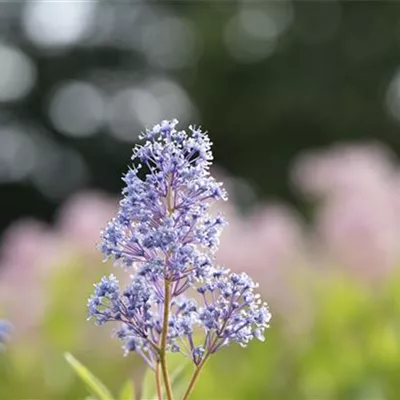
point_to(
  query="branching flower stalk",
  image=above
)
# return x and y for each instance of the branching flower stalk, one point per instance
(166, 237)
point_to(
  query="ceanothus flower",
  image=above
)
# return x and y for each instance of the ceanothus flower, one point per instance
(165, 235)
(133, 308)
(231, 311)
(5, 329)
(164, 211)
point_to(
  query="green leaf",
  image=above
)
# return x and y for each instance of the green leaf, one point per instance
(180, 375)
(149, 390)
(94, 384)
(127, 392)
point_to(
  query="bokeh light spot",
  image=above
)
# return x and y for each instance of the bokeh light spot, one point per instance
(143, 105)
(17, 154)
(171, 43)
(17, 73)
(77, 108)
(58, 23)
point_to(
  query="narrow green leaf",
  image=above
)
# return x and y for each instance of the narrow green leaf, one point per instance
(94, 384)
(127, 392)
(180, 375)
(149, 389)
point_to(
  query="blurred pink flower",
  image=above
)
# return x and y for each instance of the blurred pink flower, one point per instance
(82, 218)
(28, 250)
(264, 245)
(357, 227)
(363, 235)
(342, 169)
(357, 221)
(28, 247)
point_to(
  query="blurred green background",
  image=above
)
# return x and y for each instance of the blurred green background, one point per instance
(302, 102)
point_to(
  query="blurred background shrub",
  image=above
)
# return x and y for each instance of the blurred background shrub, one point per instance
(302, 102)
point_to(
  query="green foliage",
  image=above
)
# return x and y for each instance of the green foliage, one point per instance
(342, 343)
(95, 386)
(35, 365)
(127, 392)
(179, 375)
(350, 351)
(92, 382)
(181, 372)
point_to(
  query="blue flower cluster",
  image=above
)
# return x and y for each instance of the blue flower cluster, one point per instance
(165, 234)
(5, 328)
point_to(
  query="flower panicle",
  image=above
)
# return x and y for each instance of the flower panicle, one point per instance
(165, 233)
